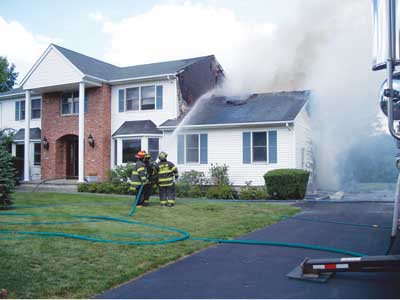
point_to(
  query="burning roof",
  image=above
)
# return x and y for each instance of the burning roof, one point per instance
(255, 108)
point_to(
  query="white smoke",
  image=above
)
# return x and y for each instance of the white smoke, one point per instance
(325, 48)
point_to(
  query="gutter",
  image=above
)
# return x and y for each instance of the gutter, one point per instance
(143, 78)
(286, 123)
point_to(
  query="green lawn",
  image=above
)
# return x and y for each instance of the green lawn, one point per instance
(34, 267)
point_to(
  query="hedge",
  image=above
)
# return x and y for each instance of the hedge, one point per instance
(287, 183)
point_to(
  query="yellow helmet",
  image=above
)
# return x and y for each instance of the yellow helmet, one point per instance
(162, 155)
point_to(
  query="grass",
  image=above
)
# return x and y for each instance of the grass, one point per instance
(33, 267)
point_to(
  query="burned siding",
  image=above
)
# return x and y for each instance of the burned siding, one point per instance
(197, 79)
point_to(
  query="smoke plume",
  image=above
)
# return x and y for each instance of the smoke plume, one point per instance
(326, 47)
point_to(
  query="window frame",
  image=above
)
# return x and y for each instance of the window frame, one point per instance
(36, 109)
(72, 113)
(266, 148)
(126, 99)
(122, 148)
(267, 162)
(140, 100)
(198, 149)
(35, 163)
(149, 150)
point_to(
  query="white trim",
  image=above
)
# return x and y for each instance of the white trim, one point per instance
(119, 136)
(143, 78)
(81, 137)
(41, 58)
(228, 125)
(27, 158)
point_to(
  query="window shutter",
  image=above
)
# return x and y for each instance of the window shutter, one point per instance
(86, 102)
(159, 100)
(181, 150)
(17, 111)
(246, 148)
(121, 100)
(272, 147)
(115, 152)
(204, 148)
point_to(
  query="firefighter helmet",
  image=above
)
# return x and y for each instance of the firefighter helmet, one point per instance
(162, 155)
(147, 156)
(140, 154)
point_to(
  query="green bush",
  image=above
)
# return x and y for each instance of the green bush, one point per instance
(120, 174)
(104, 188)
(219, 174)
(221, 192)
(249, 192)
(193, 177)
(185, 190)
(7, 176)
(286, 183)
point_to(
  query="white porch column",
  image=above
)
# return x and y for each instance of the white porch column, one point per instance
(81, 132)
(27, 152)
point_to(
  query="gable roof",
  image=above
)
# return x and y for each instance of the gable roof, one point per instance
(256, 108)
(137, 127)
(97, 68)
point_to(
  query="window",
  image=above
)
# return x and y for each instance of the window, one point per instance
(129, 150)
(19, 110)
(159, 96)
(153, 148)
(36, 154)
(115, 152)
(132, 99)
(70, 103)
(148, 97)
(192, 148)
(259, 146)
(35, 109)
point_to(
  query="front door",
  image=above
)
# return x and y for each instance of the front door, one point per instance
(72, 158)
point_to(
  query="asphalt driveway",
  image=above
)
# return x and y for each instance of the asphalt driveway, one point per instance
(243, 271)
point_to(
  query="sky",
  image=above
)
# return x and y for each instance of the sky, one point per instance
(129, 32)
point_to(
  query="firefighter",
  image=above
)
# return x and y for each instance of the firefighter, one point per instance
(139, 176)
(151, 177)
(166, 171)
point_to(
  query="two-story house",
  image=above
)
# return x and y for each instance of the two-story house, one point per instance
(74, 116)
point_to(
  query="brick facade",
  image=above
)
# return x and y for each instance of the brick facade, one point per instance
(97, 123)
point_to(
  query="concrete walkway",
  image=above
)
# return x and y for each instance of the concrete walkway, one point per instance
(239, 271)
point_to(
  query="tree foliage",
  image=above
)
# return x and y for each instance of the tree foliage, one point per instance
(7, 75)
(7, 171)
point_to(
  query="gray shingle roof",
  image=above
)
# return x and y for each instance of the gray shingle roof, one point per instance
(137, 127)
(94, 67)
(265, 107)
(14, 92)
(34, 134)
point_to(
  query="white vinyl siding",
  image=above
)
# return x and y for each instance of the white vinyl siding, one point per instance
(168, 111)
(303, 141)
(53, 70)
(225, 147)
(8, 115)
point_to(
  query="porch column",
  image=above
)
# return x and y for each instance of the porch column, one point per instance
(81, 176)
(27, 152)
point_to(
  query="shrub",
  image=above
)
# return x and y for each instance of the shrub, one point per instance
(219, 174)
(286, 183)
(221, 192)
(249, 192)
(7, 176)
(185, 190)
(120, 174)
(193, 177)
(104, 188)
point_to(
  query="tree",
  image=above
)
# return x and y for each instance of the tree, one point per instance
(7, 75)
(7, 171)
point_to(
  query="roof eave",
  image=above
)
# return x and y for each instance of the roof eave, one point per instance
(143, 78)
(228, 125)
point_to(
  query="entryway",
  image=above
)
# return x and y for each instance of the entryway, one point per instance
(69, 145)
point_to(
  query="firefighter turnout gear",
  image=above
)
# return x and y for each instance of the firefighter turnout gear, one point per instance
(139, 177)
(151, 175)
(166, 171)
